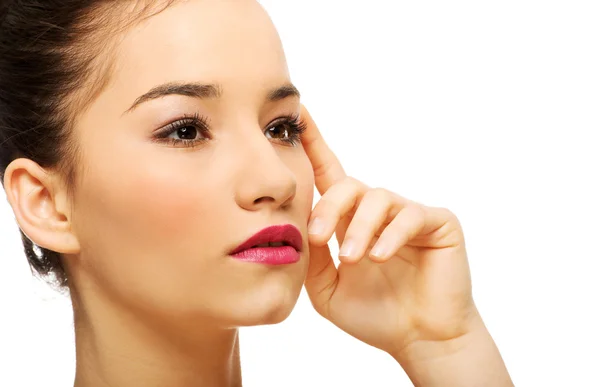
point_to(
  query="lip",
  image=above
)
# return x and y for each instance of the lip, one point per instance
(287, 234)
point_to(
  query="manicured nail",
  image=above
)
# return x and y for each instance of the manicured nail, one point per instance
(379, 251)
(348, 248)
(316, 226)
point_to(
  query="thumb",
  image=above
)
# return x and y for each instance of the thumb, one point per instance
(321, 279)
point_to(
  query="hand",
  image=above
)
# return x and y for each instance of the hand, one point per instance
(403, 278)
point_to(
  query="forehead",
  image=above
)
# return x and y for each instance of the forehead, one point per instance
(212, 41)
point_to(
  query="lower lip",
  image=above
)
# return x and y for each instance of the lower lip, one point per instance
(283, 255)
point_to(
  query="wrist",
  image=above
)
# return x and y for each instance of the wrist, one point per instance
(461, 339)
(471, 359)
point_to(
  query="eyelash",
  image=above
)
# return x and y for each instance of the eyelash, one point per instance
(196, 121)
(296, 127)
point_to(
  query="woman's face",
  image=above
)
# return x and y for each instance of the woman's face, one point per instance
(187, 153)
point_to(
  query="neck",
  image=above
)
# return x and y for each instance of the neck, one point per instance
(116, 348)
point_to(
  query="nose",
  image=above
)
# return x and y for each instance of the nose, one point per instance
(265, 181)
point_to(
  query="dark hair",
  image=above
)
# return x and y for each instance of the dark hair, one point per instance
(49, 51)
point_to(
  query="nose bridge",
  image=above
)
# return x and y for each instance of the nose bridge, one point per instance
(263, 178)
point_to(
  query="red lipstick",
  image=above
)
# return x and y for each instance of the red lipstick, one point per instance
(275, 245)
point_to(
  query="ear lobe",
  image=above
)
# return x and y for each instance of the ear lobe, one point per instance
(32, 193)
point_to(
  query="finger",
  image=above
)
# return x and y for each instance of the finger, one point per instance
(321, 279)
(340, 230)
(372, 213)
(408, 224)
(338, 201)
(442, 229)
(326, 167)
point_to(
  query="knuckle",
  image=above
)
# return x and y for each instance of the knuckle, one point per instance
(378, 194)
(324, 207)
(354, 183)
(419, 212)
(453, 220)
(348, 180)
(360, 220)
(447, 214)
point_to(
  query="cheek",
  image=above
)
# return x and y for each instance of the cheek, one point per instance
(151, 205)
(163, 218)
(166, 201)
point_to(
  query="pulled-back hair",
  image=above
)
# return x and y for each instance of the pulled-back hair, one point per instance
(54, 60)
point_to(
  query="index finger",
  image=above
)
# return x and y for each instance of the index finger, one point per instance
(326, 167)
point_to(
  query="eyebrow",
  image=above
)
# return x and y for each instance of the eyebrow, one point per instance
(196, 90)
(283, 92)
(206, 91)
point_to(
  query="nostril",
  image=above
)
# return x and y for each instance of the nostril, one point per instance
(264, 199)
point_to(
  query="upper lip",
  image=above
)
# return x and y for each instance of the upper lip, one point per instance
(287, 234)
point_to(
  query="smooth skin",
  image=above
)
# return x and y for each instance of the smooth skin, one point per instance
(403, 284)
(145, 237)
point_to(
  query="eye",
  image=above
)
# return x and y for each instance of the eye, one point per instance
(187, 131)
(279, 131)
(286, 129)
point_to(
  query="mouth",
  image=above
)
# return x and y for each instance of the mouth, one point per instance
(273, 237)
(272, 244)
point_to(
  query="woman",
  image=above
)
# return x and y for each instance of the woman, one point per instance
(161, 167)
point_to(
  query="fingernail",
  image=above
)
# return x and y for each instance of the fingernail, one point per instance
(347, 248)
(316, 226)
(379, 251)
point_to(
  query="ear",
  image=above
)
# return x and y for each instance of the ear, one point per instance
(40, 204)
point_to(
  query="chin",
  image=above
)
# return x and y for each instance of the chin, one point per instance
(270, 305)
(270, 316)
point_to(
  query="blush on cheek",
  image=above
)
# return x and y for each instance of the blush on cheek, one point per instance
(167, 206)
(153, 203)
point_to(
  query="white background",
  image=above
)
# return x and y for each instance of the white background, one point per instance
(489, 108)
